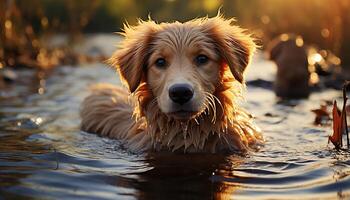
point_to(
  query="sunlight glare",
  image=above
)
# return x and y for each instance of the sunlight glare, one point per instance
(284, 37)
(325, 33)
(299, 41)
(315, 58)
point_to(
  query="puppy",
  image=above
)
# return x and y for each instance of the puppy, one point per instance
(290, 56)
(183, 81)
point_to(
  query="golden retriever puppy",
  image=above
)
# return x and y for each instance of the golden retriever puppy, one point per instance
(289, 54)
(183, 79)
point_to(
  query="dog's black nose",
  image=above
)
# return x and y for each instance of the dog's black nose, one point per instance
(181, 93)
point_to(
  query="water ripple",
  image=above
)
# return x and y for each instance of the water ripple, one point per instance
(44, 155)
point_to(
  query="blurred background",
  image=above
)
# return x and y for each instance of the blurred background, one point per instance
(26, 25)
(51, 51)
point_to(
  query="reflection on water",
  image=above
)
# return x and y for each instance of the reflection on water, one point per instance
(44, 155)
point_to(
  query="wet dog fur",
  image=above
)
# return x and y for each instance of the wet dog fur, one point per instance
(206, 59)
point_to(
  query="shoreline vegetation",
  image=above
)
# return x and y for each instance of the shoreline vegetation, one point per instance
(25, 26)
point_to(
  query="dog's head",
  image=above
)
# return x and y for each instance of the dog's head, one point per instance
(182, 63)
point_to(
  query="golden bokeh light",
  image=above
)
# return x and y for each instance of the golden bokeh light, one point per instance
(315, 58)
(265, 19)
(314, 79)
(284, 37)
(325, 32)
(44, 22)
(8, 24)
(299, 41)
(211, 5)
(41, 91)
(335, 60)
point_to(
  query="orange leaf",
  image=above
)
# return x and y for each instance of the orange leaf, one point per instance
(338, 121)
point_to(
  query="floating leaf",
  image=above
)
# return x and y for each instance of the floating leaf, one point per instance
(338, 121)
(340, 124)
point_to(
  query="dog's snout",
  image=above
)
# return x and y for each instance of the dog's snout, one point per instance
(181, 93)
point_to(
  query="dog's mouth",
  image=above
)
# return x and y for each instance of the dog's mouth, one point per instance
(183, 114)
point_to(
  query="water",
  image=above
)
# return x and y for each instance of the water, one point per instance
(44, 155)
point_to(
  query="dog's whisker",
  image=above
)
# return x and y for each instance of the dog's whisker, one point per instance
(211, 103)
(195, 119)
(207, 106)
(218, 101)
(214, 111)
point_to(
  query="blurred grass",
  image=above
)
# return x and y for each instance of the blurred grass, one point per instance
(323, 23)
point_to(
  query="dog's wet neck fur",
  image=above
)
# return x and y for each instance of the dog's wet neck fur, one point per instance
(230, 129)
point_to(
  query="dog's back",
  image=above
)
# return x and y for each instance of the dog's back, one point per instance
(108, 111)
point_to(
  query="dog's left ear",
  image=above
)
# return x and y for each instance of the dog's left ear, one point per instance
(234, 45)
(131, 57)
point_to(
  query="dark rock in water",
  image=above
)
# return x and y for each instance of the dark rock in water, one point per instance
(29, 123)
(334, 83)
(23, 122)
(8, 75)
(290, 56)
(268, 114)
(325, 83)
(95, 51)
(261, 83)
(302, 69)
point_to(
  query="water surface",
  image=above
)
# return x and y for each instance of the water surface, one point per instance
(44, 155)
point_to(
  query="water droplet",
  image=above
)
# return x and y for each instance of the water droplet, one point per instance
(196, 121)
(184, 127)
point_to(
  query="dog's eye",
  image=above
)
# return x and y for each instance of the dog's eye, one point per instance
(160, 62)
(201, 59)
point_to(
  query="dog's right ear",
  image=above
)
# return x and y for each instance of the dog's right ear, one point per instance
(131, 57)
(234, 45)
